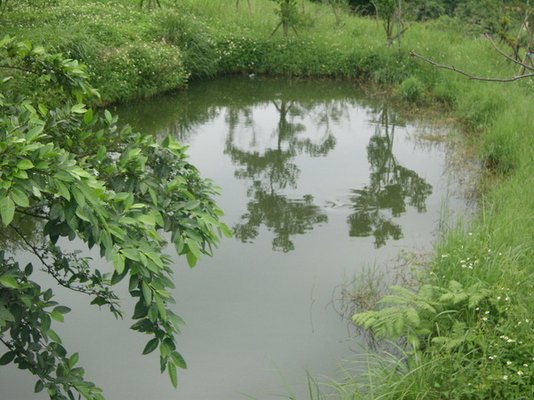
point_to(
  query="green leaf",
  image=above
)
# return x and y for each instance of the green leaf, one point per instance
(161, 307)
(62, 190)
(132, 254)
(177, 321)
(47, 295)
(108, 116)
(78, 109)
(226, 231)
(193, 247)
(19, 197)
(88, 117)
(62, 309)
(172, 374)
(119, 263)
(34, 132)
(73, 360)
(25, 164)
(28, 270)
(178, 360)
(53, 335)
(21, 174)
(57, 316)
(151, 346)
(42, 109)
(39, 386)
(147, 219)
(9, 281)
(147, 293)
(191, 259)
(7, 357)
(7, 210)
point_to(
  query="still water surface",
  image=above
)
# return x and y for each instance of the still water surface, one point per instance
(318, 183)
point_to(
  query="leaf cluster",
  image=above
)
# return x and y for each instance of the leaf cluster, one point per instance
(82, 176)
(424, 318)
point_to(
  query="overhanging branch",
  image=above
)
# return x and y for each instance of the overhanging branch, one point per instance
(502, 53)
(469, 75)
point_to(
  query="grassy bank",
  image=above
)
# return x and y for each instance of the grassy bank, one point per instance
(469, 331)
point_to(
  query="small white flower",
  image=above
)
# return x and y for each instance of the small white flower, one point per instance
(520, 373)
(508, 363)
(505, 377)
(484, 319)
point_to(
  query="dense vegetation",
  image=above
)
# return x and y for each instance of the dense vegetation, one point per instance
(467, 331)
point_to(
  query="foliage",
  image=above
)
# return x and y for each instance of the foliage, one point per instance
(288, 16)
(389, 11)
(152, 68)
(422, 10)
(83, 177)
(363, 7)
(483, 14)
(412, 89)
(197, 48)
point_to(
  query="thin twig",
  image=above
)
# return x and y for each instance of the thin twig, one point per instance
(467, 74)
(502, 53)
(50, 268)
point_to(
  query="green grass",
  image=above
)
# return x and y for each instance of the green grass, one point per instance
(134, 53)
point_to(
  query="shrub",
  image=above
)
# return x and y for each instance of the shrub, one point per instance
(198, 48)
(138, 70)
(411, 89)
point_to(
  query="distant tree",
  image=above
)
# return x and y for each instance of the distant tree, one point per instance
(422, 10)
(337, 7)
(390, 13)
(520, 44)
(288, 15)
(362, 7)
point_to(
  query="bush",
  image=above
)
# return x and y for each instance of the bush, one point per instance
(411, 89)
(138, 70)
(198, 48)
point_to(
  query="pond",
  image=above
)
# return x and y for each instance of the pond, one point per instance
(319, 183)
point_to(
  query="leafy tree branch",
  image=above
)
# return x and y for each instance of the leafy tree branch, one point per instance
(82, 176)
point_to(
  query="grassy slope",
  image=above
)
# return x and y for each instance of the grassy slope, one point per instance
(133, 53)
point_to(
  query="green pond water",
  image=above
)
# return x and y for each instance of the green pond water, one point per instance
(319, 183)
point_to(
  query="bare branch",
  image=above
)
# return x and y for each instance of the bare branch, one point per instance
(467, 74)
(502, 53)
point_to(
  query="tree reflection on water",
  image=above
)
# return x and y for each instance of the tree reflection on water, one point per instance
(271, 172)
(391, 188)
